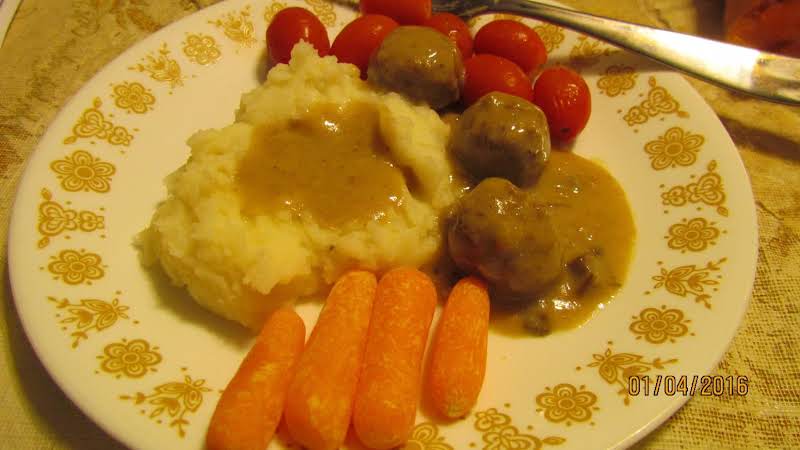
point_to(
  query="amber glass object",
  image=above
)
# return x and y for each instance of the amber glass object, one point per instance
(770, 25)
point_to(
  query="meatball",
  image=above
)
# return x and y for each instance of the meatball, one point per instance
(420, 63)
(498, 231)
(503, 136)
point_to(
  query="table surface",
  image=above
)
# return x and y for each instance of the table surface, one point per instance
(54, 46)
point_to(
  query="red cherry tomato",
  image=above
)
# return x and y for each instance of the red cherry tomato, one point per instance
(564, 97)
(356, 43)
(405, 12)
(290, 26)
(453, 27)
(487, 73)
(513, 40)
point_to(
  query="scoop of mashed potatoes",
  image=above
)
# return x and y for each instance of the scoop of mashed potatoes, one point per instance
(241, 266)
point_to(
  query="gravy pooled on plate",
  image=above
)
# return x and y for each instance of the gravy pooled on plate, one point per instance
(330, 163)
(550, 232)
(594, 225)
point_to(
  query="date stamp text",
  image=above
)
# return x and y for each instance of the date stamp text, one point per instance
(686, 385)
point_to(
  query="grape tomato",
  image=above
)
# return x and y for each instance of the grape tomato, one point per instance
(290, 26)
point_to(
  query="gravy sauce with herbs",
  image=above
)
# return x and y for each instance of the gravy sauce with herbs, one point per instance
(332, 163)
(593, 221)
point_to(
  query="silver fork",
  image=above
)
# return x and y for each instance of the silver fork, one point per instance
(765, 75)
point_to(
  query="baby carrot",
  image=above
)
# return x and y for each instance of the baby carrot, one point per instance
(388, 388)
(250, 408)
(320, 398)
(458, 352)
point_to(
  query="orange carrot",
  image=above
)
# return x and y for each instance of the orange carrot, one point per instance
(458, 352)
(251, 406)
(388, 388)
(320, 398)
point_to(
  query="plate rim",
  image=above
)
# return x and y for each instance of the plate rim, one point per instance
(83, 406)
(754, 246)
(14, 226)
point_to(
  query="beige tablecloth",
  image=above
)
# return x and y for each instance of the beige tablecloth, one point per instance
(54, 46)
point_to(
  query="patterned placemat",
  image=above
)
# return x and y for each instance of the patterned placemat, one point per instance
(54, 46)
(7, 10)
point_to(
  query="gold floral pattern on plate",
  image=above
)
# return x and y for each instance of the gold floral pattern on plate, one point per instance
(708, 189)
(617, 80)
(81, 171)
(55, 219)
(658, 326)
(93, 124)
(88, 315)
(323, 9)
(566, 403)
(131, 359)
(618, 368)
(498, 433)
(694, 235)
(201, 49)
(160, 66)
(552, 35)
(272, 9)
(676, 147)
(76, 267)
(690, 280)
(425, 436)
(658, 102)
(587, 52)
(133, 97)
(171, 402)
(237, 26)
(102, 177)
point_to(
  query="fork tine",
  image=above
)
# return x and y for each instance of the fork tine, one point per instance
(352, 4)
(463, 8)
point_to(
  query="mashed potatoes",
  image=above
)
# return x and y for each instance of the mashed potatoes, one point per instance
(241, 265)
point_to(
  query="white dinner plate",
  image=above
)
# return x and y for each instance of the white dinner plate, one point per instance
(147, 364)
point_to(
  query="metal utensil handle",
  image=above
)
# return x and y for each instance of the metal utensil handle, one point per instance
(766, 75)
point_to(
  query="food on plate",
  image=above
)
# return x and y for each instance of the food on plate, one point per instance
(456, 29)
(265, 210)
(514, 41)
(359, 39)
(503, 136)
(594, 226)
(250, 408)
(488, 73)
(327, 178)
(421, 64)
(289, 167)
(319, 401)
(501, 233)
(292, 25)
(323, 172)
(565, 99)
(385, 407)
(459, 348)
(406, 12)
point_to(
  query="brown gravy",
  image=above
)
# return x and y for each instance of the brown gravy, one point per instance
(590, 213)
(331, 164)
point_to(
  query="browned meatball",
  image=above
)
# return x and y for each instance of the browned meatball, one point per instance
(503, 136)
(497, 231)
(420, 63)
